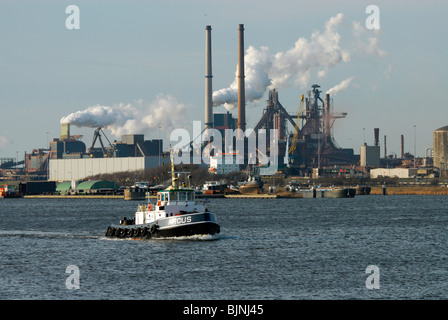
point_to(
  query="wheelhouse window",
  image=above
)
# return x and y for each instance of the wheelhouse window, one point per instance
(173, 196)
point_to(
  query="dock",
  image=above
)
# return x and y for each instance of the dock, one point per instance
(216, 195)
(78, 196)
(132, 194)
(251, 196)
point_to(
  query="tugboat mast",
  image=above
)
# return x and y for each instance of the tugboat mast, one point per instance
(173, 174)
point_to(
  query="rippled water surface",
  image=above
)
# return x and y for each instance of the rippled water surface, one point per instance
(267, 249)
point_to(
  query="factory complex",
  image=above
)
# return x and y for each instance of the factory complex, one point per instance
(304, 144)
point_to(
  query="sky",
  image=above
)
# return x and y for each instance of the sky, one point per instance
(139, 66)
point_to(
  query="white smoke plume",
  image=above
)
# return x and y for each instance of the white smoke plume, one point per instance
(264, 70)
(257, 64)
(121, 118)
(343, 85)
(370, 47)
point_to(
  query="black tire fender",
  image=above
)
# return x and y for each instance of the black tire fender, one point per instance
(153, 229)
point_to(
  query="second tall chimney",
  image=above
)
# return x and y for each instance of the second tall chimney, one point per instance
(402, 147)
(241, 88)
(208, 78)
(327, 115)
(376, 132)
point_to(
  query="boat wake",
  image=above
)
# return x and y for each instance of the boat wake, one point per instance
(44, 234)
(196, 237)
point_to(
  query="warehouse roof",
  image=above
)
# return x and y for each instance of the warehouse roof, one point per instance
(87, 185)
(64, 186)
(97, 184)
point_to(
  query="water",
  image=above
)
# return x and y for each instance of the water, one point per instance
(268, 249)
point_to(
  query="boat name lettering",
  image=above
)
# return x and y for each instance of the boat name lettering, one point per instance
(179, 220)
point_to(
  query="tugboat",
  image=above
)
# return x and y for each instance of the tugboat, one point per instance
(175, 214)
(214, 187)
(9, 192)
(253, 185)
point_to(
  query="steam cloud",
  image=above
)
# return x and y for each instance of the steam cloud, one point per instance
(343, 85)
(257, 64)
(264, 70)
(121, 118)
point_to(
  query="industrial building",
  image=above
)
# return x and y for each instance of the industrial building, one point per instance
(220, 165)
(224, 121)
(78, 169)
(67, 146)
(131, 145)
(310, 145)
(68, 158)
(440, 148)
(36, 162)
(393, 172)
(370, 155)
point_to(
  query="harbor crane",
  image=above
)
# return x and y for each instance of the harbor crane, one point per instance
(107, 152)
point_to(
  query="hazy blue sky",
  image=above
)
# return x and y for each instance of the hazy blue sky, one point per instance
(149, 57)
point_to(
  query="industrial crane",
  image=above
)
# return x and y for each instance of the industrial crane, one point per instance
(292, 149)
(106, 152)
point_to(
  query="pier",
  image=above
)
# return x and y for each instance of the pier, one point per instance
(78, 196)
(251, 196)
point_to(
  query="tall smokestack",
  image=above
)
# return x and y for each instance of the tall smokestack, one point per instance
(327, 115)
(65, 131)
(385, 147)
(377, 136)
(241, 89)
(208, 78)
(402, 147)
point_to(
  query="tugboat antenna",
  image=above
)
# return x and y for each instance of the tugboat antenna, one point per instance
(175, 177)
